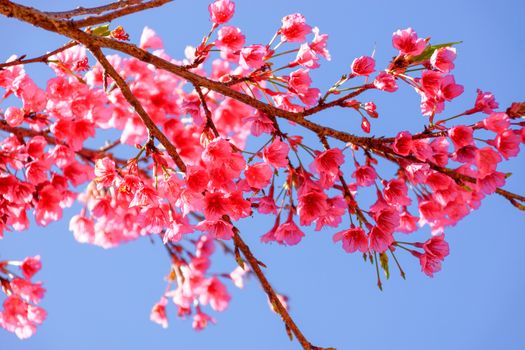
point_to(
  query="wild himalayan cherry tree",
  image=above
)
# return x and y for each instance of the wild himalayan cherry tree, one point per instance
(210, 151)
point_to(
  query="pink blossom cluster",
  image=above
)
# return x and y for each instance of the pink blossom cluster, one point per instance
(20, 313)
(196, 286)
(443, 173)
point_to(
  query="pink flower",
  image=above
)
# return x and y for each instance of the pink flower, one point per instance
(318, 44)
(230, 38)
(294, 28)
(158, 313)
(407, 42)
(363, 65)
(508, 143)
(261, 124)
(436, 247)
(429, 263)
(221, 11)
(30, 266)
(14, 116)
(380, 240)
(150, 40)
(353, 239)
(403, 143)
(407, 222)
(485, 102)
(200, 320)
(20, 317)
(385, 82)
(327, 165)
(28, 291)
(145, 196)
(443, 59)
(487, 160)
(396, 193)
(276, 154)
(461, 136)
(364, 175)
(238, 276)
(219, 229)
(496, 122)
(83, 228)
(177, 227)
(299, 81)
(266, 205)
(215, 294)
(306, 57)
(489, 183)
(449, 90)
(288, 232)
(371, 109)
(258, 175)
(311, 205)
(270, 235)
(48, 208)
(253, 56)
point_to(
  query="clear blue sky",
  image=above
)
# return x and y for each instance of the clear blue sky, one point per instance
(101, 299)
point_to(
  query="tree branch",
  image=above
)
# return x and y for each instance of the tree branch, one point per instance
(42, 58)
(80, 11)
(68, 29)
(176, 158)
(153, 129)
(119, 13)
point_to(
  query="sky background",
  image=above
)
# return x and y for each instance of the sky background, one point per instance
(102, 298)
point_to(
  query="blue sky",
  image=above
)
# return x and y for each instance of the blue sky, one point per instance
(101, 298)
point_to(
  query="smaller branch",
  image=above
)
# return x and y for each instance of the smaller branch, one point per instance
(153, 129)
(209, 121)
(272, 295)
(119, 13)
(80, 11)
(42, 58)
(349, 198)
(86, 153)
(387, 153)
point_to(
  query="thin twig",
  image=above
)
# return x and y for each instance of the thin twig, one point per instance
(42, 58)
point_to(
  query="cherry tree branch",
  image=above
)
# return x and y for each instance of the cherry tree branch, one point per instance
(68, 29)
(140, 6)
(153, 129)
(42, 58)
(155, 132)
(80, 11)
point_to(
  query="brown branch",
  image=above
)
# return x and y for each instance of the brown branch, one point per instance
(153, 129)
(40, 19)
(349, 198)
(42, 58)
(387, 153)
(119, 13)
(274, 299)
(80, 11)
(209, 121)
(175, 156)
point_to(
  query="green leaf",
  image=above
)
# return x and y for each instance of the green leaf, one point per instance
(383, 258)
(102, 30)
(429, 50)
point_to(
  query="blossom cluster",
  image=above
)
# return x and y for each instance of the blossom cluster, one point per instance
(443, 173)
(20, 313)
